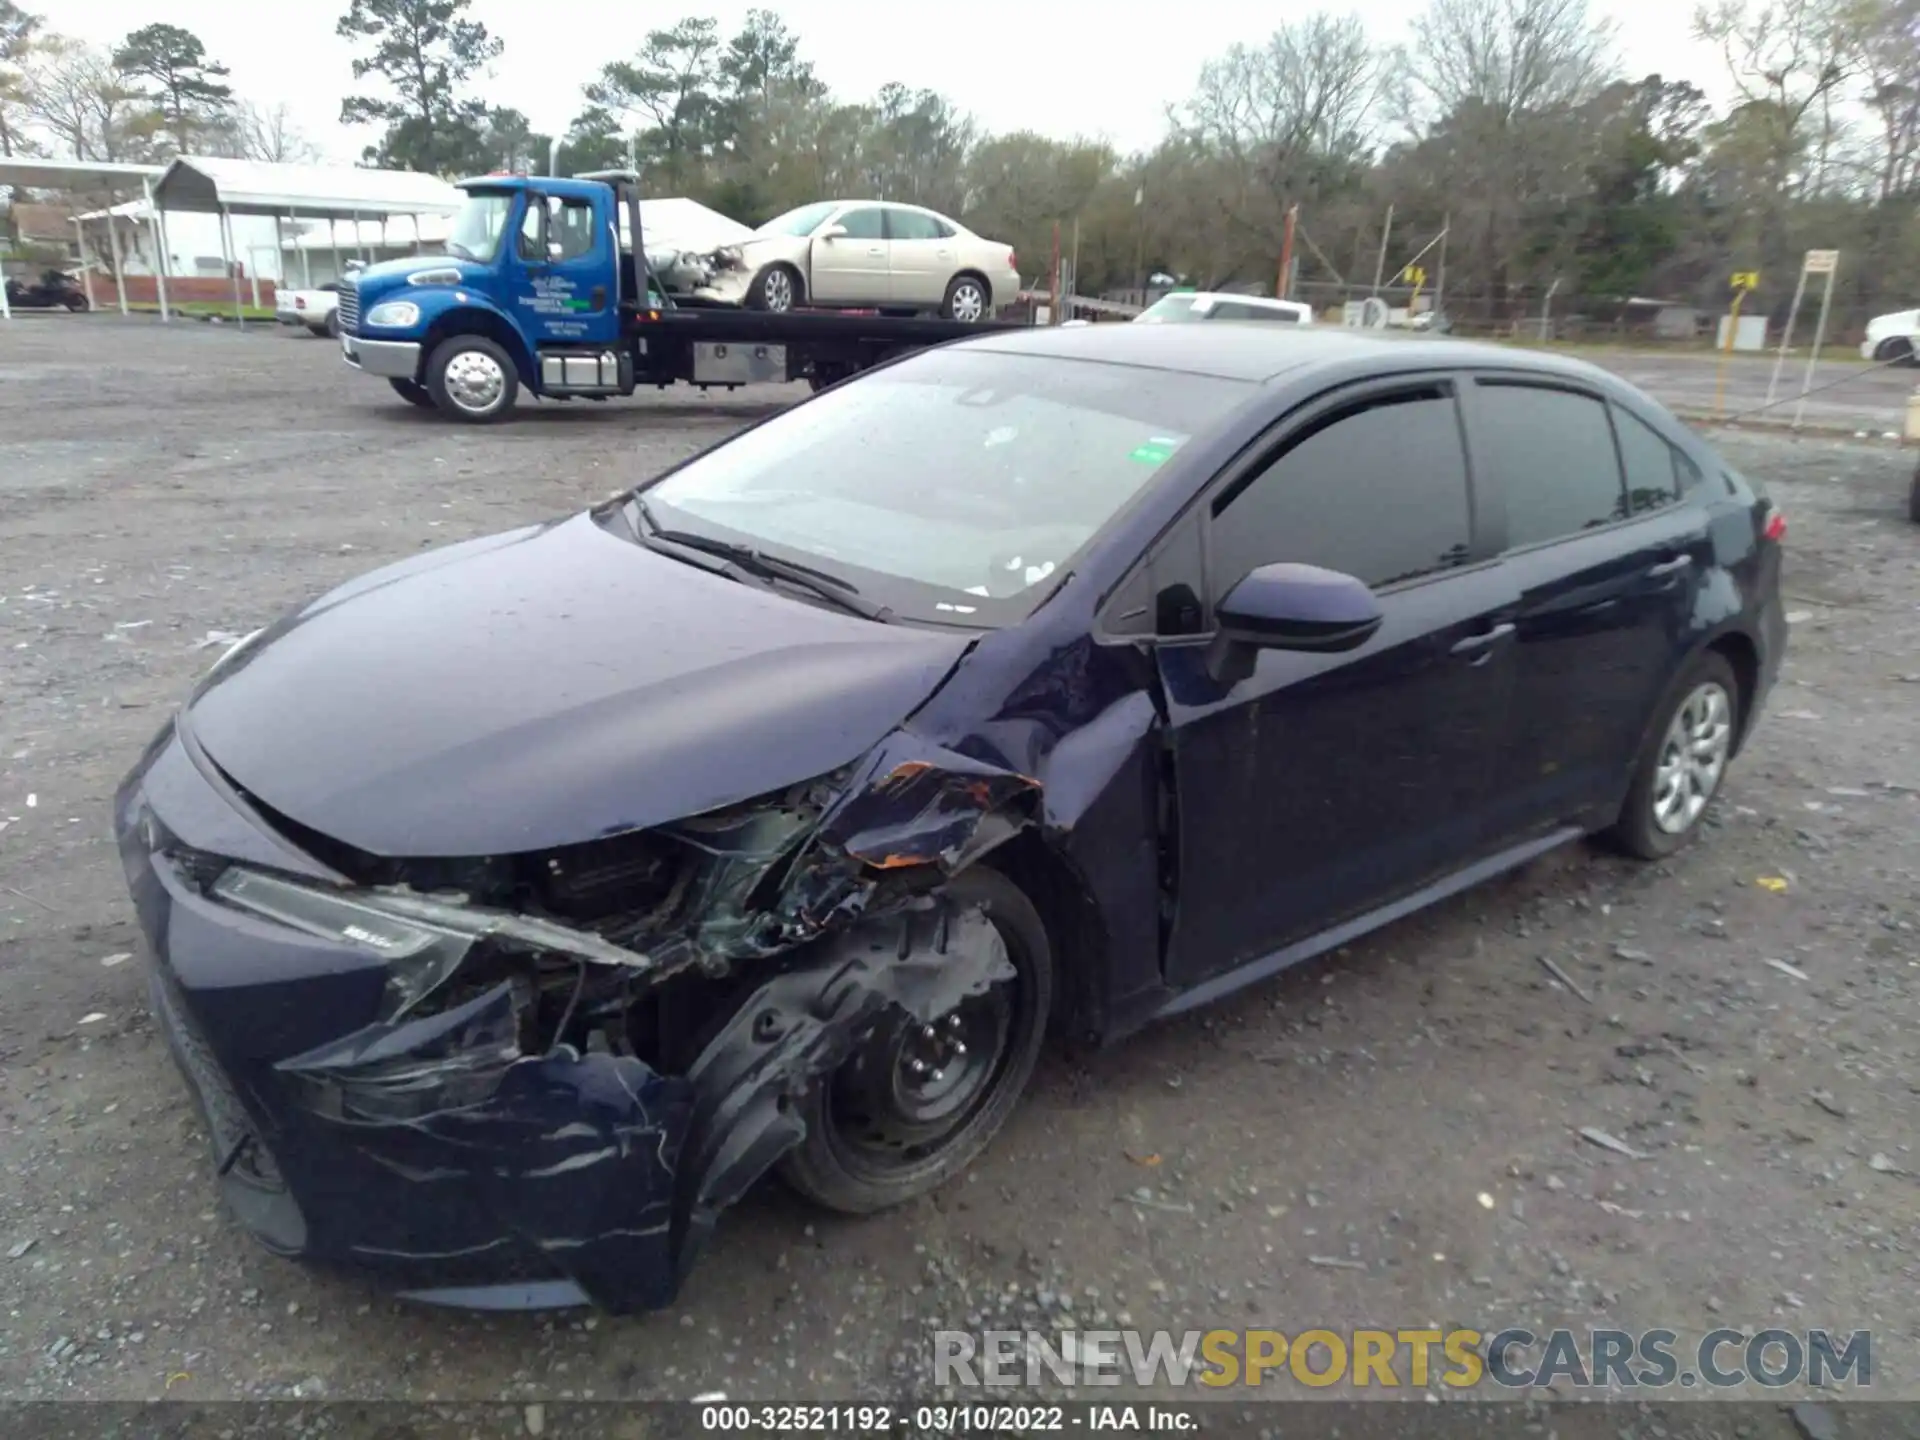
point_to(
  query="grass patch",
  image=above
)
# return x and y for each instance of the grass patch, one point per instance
(202, 310)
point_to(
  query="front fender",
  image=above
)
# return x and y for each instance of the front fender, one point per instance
(454, 310)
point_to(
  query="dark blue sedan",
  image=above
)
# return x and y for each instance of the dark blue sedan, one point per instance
(514, 908)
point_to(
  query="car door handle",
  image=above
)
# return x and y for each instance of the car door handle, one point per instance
(1669, 567)
(876, 250)
(1473, 644)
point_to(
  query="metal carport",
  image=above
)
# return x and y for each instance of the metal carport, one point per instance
(74, 174)
(209, 186)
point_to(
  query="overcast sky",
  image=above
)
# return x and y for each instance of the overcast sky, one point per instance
(1005, 61)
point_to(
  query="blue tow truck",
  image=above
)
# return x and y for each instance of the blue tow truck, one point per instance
(537, 292)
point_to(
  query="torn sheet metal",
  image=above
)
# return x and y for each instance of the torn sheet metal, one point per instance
(916, 803)
(615, 1173)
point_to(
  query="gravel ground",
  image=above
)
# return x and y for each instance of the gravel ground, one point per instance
(1385, 1138)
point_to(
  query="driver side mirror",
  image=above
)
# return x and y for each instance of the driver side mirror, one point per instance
(833, 232)
(1299, 607)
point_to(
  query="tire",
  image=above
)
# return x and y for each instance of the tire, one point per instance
(776, 289)
(472, 379)
(1650, 827)
(411, 391)
(969, 300)
(1897, 350)
(77, 305)
(333, 325)
(858, 1176)
(1913, 498)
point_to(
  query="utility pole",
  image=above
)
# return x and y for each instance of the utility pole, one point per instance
(1283, 287)
(1140, 241)
(1380, 265)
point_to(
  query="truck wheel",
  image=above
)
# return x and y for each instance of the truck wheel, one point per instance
(917, 1104)
(967, 300)
(777, 289)
(411, 391)
(333, 324)
(472, 379)
(1913, 498)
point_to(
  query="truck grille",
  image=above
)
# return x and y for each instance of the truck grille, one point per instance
(348, 305)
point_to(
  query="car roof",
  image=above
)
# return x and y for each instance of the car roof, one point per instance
(1230, 295)
(1259, 354)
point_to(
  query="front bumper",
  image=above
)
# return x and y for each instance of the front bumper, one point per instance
(441, 1154)
(394, 359)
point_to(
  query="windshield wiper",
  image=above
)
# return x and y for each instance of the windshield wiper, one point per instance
(459, 251)
(831, 588)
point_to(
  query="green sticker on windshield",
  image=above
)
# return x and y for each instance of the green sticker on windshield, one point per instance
(1156, 451)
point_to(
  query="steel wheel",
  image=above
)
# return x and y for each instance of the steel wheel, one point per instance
(1693, 758)
(967, 300)
(913, 1085)
(917, 1101)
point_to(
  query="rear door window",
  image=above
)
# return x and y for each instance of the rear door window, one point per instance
(1376, 490)
(1653, 466)
(1551, 452)
(865, 224)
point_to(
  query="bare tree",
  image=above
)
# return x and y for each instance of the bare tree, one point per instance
(1294, 118)
(75, 94)
(1494, 89)
(1787, 61)
(1888, 64)
(260, 132)
(1510, 58)
(17, 29)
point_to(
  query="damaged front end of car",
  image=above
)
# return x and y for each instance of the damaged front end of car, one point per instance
(598, 1048)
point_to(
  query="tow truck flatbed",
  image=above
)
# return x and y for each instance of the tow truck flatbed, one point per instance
(537, 294)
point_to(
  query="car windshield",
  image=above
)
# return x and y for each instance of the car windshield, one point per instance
(1168, 308)
(955, 486)
(803, 221)
(478, 226)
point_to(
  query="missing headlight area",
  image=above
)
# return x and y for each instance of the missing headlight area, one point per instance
(610, 1040)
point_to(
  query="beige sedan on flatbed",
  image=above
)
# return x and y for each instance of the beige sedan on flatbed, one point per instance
(865, 255)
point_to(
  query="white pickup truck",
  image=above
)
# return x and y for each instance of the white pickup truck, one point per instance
(311, 308)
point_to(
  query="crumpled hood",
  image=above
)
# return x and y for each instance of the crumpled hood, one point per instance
(546, 686)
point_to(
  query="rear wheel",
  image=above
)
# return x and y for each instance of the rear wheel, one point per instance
(411, 391)
(918, 1103)
(776, 289)
(77, 303)
(333, 325)
(1898, 350)
(1684, 762)
(967, 300)
(1913, 498)
(472, 378)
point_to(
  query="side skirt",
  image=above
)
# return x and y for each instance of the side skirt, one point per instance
(1268, 966)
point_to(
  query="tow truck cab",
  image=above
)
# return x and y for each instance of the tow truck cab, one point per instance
(536, 291)
(532, 266)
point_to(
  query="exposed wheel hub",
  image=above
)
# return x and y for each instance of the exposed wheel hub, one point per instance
(913, 1084)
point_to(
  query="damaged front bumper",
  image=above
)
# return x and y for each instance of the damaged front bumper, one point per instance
(387, 1088)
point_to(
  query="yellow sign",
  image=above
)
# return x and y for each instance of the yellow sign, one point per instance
(1746, 279)
(1413, 275)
